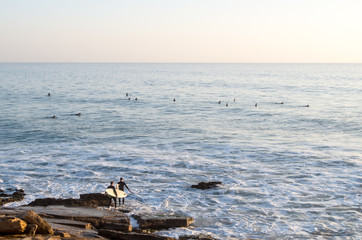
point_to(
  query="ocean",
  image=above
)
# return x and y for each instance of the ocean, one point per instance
(285, 141)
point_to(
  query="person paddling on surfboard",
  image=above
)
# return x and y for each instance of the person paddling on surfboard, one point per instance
(110, 197)
(120, 185)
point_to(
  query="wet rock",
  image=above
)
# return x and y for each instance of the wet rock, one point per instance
(130, 236)
(197, 237)
(12, 225)
(11, 195)
(150, 222)
(96, 199)
(85, 200)
(206, 185)
(53, 201)
(43, 226)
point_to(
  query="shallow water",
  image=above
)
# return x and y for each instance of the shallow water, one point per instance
(288, 171)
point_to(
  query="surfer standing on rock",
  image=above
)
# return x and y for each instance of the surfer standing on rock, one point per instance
(120, 185)
(114, 198)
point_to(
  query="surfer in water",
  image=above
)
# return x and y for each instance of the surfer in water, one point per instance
(121, 184)
(114, 198)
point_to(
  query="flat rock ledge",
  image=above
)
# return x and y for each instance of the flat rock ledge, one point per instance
(162, 222)
(51, 218)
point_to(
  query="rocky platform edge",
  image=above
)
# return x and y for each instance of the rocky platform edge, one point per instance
(81, 218)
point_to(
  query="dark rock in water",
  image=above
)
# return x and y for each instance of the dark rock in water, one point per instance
(11, 195)
(130, 236)
(206, 185)
(163, 222)
(86, 200)
(197, 237)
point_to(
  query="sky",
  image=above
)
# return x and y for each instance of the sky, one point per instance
(235, 31)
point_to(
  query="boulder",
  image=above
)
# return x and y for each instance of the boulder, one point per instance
(163, 222)
(31, 229)
(206, 185)
(43, 226)
(130, 236)
(12, 225)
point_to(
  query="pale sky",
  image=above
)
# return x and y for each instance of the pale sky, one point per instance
(181, 31)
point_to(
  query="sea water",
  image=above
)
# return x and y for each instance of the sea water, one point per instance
(287, 170)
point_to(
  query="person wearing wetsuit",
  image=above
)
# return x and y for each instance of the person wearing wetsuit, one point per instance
(114, 198)
(121, 184)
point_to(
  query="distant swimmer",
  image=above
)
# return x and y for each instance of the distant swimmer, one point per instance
(256, 104)
(135, 99)
(227, 104)
(220, 102)
(48, 94)
(126, 94)
(234, 99)
(129, 98)
(52, 116)
(76, 114)
(174, 99)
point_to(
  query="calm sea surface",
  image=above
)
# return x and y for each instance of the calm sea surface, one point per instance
(288, 171)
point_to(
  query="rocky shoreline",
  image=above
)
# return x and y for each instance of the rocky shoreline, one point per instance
(83, 218)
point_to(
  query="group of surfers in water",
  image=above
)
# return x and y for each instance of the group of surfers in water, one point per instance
(120, 185)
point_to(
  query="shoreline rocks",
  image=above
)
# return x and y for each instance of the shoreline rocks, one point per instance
(50, 218)
(11, 195)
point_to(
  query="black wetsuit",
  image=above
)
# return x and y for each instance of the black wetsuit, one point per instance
(114, 198)
(121, 186)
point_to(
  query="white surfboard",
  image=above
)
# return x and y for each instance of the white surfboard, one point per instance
(120, 194)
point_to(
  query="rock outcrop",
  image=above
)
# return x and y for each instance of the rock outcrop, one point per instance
(79, 219)
(85, 200)
(11, 195)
